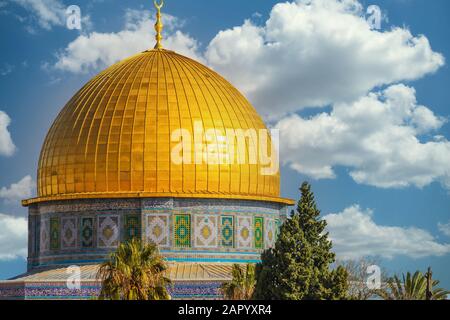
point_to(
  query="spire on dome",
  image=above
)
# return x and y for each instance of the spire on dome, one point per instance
(158, 25)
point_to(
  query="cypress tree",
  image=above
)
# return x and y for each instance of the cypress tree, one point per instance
(298, 267)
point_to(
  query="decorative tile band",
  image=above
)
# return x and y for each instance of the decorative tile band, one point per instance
(183, 229)
(40, 291)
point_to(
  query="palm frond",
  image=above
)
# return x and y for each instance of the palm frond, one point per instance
(135, 271)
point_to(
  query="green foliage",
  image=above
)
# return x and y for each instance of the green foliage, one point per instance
(298, 267)
(413, 287)
(136, 271)
(242, 286)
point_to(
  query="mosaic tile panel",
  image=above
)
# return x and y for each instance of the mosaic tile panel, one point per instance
(205, 231)
(244, 232)
(182, 230)
(87, 232)
(132, 226)
(94, 205)
(259, 232)
(227, 231)
(269, 232)
(69, 233)
(108, 231)
(97, 205)
(59, 291)
(54, 233)
(158, 229)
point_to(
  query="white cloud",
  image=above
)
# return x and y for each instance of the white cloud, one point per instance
(18, 191)
(97, 50)
(355, 235)
(313, 53)
(316, 52)
(377, 137)
(13, 237)
(47, 13)
(7, 147)
(309, 53)
(444, 228)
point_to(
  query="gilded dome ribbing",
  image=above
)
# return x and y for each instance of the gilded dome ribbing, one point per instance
(113, 138)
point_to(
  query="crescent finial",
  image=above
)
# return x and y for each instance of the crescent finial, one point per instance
(158, 25)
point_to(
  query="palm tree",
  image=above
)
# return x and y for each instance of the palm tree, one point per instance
(136, 271)
(413, 287)
(242, 286)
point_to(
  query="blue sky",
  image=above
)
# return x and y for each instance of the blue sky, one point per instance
(394, 215)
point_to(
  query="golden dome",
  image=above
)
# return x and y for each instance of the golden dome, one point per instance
(113, 138)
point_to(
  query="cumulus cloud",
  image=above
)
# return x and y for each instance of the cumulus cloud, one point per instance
(13, 237)
(97, 50)
(356, 235)
(309, 53)
(7, 147)
(313, 53)
(444, 228)
(18, 191)
(47, 14)
(378, 137)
